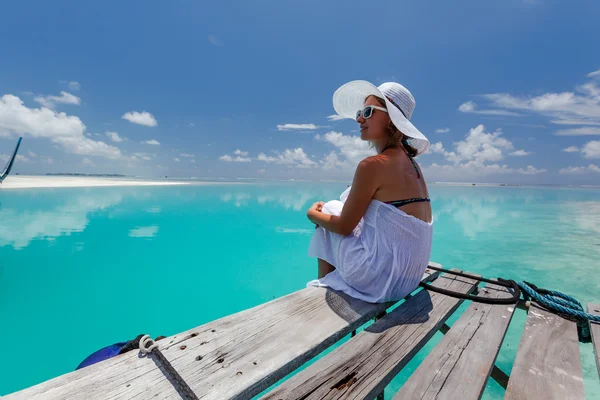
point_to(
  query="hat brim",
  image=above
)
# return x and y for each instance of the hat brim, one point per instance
(350, 97)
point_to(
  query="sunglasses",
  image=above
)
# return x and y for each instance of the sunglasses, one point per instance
(367, 112)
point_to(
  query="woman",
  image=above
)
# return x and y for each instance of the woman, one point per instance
(374, 244)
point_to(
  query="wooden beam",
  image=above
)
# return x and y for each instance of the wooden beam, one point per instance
(362, 367)
(460, 365)
(595, 329)
(548, 363)
(237, 356)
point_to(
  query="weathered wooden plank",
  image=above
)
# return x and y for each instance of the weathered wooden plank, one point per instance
(460, 365)
(595, 328)
(362, 367)
(237, 356)
(548, 364)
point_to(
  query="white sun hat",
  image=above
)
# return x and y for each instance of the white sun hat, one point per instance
(400, 103)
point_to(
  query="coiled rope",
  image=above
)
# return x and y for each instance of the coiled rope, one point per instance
(562, 305)
(558, 303)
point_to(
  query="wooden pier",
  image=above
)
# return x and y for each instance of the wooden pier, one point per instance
(249, 354)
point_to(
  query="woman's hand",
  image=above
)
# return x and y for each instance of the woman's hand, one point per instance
(318, 206)
(315, 208)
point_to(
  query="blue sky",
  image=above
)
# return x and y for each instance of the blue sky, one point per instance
(506, 91)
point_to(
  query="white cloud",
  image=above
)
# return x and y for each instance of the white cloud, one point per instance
(295, 127)
(480, 146)
(583, 131)
(144, 231)
(477, 155)
(152, 142)
(176, 159)
(192, 124)
(471, 107)
(574, 122)
(594, 74)
(141, 156)
(88, 162)
(571, 149)
(530, 170)
(74, 85)
(520, 153)
(591, 149)
(335, 117)
(332, 160)
(579, 170)
(579, 107)
(19, 158)
(350, 150)
(436, 148)
(60, 128)
(51, 101)
(442, 130)
(114, 136)
(186, 155)
(50, 161)
(291, 157)
(473, 170)
(87, 146)
(240, 156)
(215, 41)
(140, 118)
(228, 158)
(31, 154)
(572, 170)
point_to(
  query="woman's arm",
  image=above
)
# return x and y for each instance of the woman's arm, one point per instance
(364, 186)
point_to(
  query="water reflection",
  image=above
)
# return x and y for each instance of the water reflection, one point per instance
(144, 231)
(290, 198)
(585, 214)
(19, 226)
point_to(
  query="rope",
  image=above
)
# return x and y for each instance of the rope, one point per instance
(558, 303)
(150, 348)
(509, 284)
(564, 306)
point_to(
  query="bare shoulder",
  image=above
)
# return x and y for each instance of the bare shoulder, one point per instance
(372, 162)
(370, 167)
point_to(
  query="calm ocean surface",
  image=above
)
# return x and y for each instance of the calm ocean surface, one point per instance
(83, 268)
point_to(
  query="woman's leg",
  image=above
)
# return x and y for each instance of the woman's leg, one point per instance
(324, 268)
(333, 207)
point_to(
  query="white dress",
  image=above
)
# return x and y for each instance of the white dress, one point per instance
(383, 259)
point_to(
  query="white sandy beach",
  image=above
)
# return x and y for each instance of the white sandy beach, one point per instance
(28, 182)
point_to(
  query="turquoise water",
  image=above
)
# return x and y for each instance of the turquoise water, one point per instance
(83, 268)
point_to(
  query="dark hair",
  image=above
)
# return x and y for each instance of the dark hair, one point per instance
(395, 137)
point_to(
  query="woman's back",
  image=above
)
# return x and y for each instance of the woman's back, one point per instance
(399, 178)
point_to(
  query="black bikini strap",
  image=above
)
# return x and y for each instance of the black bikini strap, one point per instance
(401, 203)
(409, 157)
